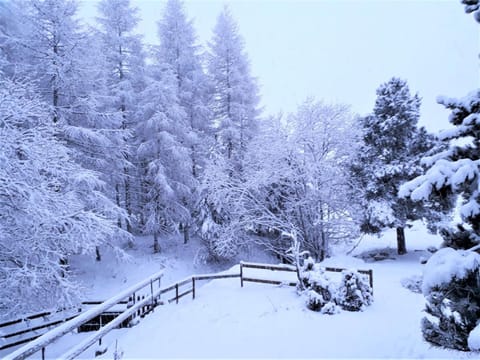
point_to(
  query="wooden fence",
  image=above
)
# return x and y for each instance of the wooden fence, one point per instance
(28, 328)
(288, 268)
(40, 343)
(143, 305)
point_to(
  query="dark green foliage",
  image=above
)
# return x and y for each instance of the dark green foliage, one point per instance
(392, 148)
(464, 113)
(453, 171)
(317, 287)
(455, 308)
(460, 238)
(354, 292)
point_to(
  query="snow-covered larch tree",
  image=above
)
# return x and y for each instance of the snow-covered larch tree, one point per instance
(235, 101)
(165, 162)
(178, 49)
(390, 155)
(235, 111)
(55, 57)
(122, 71)
(44, 197)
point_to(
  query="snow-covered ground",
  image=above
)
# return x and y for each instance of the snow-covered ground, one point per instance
(266, 321)
(106, 278)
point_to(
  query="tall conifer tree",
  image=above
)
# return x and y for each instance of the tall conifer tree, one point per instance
(179, 51)
(390, 155)
(235, 102)
(122, 73)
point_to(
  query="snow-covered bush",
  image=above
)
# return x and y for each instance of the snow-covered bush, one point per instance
(354, 292)
(318, 288)
(451, 286)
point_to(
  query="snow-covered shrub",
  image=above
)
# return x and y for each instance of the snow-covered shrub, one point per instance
(354, 292)
(318, 288)
(451, 286)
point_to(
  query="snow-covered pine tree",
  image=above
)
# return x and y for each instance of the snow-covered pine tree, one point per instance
(456, 171)
(354, 292)
(451, 288)
(55, 57)
(235, 101)
(317, 288)
(122, 70)
(178, 49)
(44, 196)
(451, 281)
(390, 155)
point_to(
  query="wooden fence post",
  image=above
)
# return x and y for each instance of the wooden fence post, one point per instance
(193, 287)
(241, 274)
(151, 295)
(370, 275)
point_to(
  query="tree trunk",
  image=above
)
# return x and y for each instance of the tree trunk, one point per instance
(128, 205)
(117, 199)
(64, 266)
(401, 246)
(156, 245)
(98, 256)
(186, 233)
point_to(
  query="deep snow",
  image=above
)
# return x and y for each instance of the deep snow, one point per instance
(266, 321)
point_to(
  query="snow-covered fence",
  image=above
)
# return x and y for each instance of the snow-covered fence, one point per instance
(30, 327)
(98, 335)
(43, 341)
(179, 293)
(143, 305)
(25, 329)
(286, 268)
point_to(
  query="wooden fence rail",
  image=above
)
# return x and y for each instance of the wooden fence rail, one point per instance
(142, 305)
(49, 337)
(289, 268)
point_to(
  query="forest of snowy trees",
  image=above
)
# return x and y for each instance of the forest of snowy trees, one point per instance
(104, 138)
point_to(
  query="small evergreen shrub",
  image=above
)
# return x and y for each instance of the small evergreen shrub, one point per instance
(316, 284)
(354, 292)
(451, 286)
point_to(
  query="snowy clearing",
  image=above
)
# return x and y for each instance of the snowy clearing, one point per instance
(266, 321)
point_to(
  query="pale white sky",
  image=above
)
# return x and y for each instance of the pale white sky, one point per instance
(341, 51)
